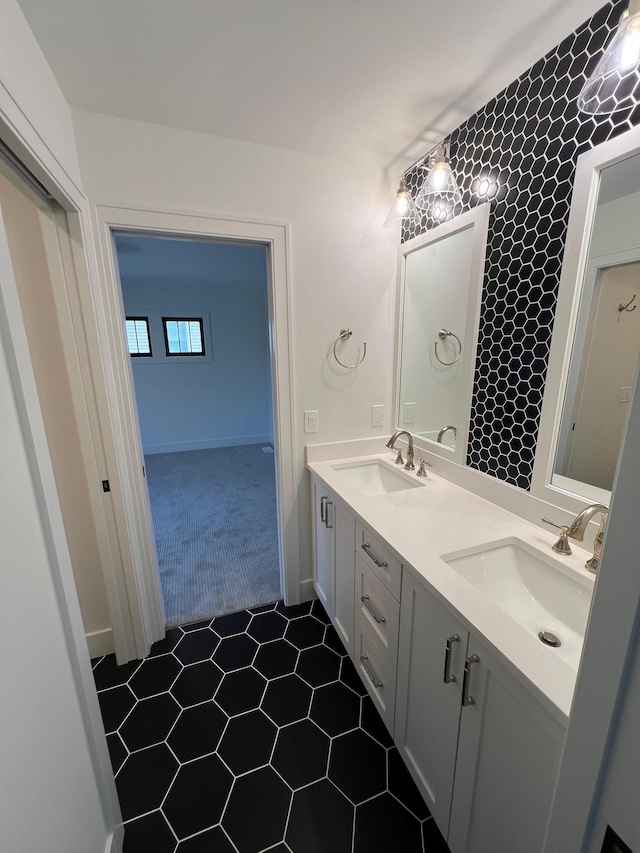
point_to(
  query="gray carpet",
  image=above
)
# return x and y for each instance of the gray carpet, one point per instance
(214, 514)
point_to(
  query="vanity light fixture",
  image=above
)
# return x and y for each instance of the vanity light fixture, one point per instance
(402, 204)
(440, 181)
(615, 81)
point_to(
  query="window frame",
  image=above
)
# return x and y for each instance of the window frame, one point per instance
(148, 325)
(197, 319)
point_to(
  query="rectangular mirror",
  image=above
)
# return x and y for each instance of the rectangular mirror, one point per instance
(440, 286)
(596, 343)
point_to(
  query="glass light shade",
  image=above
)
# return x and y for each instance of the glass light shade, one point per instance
(440, 181)
(615, 82)
(402, 205)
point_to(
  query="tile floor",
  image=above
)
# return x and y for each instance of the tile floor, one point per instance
(253, 732)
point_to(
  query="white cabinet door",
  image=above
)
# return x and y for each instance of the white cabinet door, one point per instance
(508, 757)
(344, 537)
(428, 700)
(322, 544)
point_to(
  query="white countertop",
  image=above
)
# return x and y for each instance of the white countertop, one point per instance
(421, 524)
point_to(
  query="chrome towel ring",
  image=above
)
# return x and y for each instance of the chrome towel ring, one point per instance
(443, 335)
(344, 335)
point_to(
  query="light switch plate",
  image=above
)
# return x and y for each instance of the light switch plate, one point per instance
(625, 395)
(377, 416)
(311, 421)
(409, 413)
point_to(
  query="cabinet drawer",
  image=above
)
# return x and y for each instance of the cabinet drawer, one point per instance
(378, 610)
(376, 674)
(382, 563)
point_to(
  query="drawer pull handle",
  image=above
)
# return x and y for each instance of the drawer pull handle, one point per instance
(326, 514)
(367, 550)
(466, 699)
(367, 605)
(373, 678)
(323, 508)
(449, 678)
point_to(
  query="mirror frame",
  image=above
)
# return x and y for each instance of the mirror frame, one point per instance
(478, 219)
(574, 268)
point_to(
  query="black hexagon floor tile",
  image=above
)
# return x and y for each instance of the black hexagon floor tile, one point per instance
(247, 742)
(155, 675)
(196, 646)
(149, 834)
(335, 708)
(301, 753)
(321, 819)
(286, 699)
(198, 731)
(197, 796)
(367, 778)
(256, 814)
(235, 652)
(197, 683)
(267, 626)
(144, 780)
(255, 779)
(241, 691)
(276, 658)
(149, 722)
(384, 824)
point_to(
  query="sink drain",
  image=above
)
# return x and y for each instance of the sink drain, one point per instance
(549, 639)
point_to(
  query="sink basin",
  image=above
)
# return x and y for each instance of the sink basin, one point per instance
(376, 477)
(530, 587)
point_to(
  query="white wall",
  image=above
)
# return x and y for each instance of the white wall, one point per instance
(219, 401)
(30, 91)
(342, 259)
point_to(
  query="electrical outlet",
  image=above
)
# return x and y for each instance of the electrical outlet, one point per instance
(625, 395)
(311, 421)
(409, 413)
(377, 416)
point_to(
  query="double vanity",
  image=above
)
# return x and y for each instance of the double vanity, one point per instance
(466, 630)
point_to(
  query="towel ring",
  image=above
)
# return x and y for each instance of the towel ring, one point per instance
(344, 335)
(442, 335)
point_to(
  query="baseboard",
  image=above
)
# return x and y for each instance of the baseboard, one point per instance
(111, 844)
(307, 592)
(100, 643)
(206, 444)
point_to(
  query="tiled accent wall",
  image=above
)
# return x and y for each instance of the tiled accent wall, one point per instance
(519, 153)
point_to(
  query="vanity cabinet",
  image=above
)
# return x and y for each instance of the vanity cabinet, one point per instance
(483, 750)
(334, 558)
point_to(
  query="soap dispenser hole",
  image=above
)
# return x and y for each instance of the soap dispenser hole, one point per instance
(549, 639)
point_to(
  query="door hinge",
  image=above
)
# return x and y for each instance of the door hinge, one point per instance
(105, 486)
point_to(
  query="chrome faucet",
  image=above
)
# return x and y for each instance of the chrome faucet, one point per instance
(576, 530)
(391, 444)
(444, 431)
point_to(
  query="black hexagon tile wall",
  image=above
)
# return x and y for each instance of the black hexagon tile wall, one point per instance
(519, 153)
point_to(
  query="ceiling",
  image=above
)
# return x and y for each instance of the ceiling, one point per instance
(167, 259)
(369, 81)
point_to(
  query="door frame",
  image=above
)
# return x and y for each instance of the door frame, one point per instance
(143, 573)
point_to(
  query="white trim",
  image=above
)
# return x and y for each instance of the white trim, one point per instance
(142, 576)
(307, 590)
(478, 219)
(206, 444)
(100, 643)
(574, 269)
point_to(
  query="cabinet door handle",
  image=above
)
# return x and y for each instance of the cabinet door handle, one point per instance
(373, 678)
(466, 699)
(326, 513)
(367, 550)
(323, 508)
(367, 605)
(449, 678)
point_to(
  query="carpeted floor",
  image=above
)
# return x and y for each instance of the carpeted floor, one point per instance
(214, 514)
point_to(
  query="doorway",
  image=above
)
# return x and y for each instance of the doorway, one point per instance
(196, 315)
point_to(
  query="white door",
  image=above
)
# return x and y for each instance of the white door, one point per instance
(508, 758)
(431, 656)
